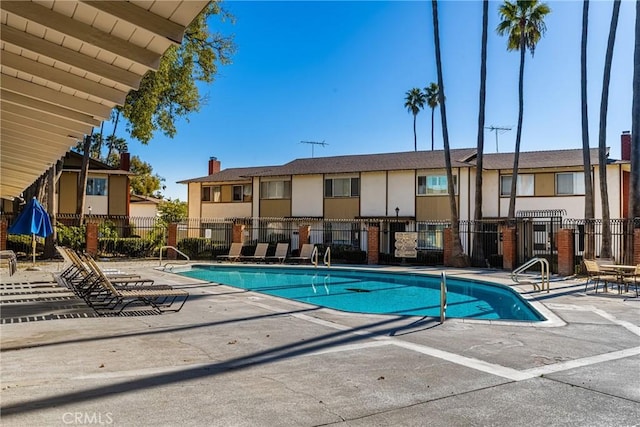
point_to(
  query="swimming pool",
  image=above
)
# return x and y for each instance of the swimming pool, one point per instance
(372, 292)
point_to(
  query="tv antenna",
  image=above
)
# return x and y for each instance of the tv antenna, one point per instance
(313, 144)
(497, 130)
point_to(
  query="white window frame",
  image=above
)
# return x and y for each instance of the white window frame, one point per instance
(577, 184)
(425, 189)
(505, 190)
(275, 190)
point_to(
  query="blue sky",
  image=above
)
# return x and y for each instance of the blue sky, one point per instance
(338, 72)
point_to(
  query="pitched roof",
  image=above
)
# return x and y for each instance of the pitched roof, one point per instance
(231, 174)
(370, 163)
(538, 159)
(410, 160)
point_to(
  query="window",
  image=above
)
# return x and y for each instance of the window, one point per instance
(237, 193)
(569, 183)
(211, 194)
(342, 187)
(435, 184)
(524, 185)
(96, 186)
(275, 190)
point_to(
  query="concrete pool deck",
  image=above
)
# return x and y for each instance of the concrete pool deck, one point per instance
(237, 358)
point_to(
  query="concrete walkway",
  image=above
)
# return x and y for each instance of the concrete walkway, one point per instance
(237, 358)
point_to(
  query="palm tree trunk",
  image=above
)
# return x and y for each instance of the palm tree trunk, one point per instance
(516, 154)
(589, 250)
(478, 252)
(82, 179)
(415, 135)
(458, 258)
(433, 112)
(634, 184)
(605, 251)
(113, 134)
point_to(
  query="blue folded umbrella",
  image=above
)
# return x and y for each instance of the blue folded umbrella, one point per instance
(33, 220)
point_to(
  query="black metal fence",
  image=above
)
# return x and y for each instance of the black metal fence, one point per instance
(588, 235)
(348, 239)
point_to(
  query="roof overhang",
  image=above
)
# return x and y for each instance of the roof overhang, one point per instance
(65, 64)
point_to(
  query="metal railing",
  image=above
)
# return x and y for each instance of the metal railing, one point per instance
(544, 273)
(175, 249)
(443, 297)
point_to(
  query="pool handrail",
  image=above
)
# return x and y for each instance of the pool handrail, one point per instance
(327, 257)
(175, 249)
(545, 273)
(314, 257)
(443, 297)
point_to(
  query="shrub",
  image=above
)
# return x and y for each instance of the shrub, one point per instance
(131, 247)
(73, 237)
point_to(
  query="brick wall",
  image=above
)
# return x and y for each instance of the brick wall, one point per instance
(3, 234)
(303, 232)
(172, 240)
(92, 239)
(448, 247)
(509, 248)
(565, 240)
(237, 233)
(373, 245)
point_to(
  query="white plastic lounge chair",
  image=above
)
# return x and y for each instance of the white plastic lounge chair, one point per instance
(281, 253)
(259, 255)
(305, 254)
(235, 251)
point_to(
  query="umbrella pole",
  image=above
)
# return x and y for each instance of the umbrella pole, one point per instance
(33, 246)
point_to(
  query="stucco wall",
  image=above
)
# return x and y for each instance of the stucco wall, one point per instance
(402, 191)
(373, 194)
(307, 193)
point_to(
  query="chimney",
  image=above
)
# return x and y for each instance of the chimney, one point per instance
(124, 162)
(625, 145)
(214, 165)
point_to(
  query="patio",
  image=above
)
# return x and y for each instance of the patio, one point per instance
(237, 358)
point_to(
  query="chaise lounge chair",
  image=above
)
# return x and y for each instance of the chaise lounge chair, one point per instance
(260, 253)
(281, 253)
(107, 296)
(235, 252)
(305, 254)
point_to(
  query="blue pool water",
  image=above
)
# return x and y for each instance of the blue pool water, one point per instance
(374, 292)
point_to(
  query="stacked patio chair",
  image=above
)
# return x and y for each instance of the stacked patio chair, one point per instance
(113, 295)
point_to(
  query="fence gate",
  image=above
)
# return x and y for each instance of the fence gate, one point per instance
(537, 235)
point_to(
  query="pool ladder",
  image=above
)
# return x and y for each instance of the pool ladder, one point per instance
(443, 297)
(544, 273)
(326, 259)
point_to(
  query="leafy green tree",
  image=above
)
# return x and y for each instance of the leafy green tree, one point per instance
(605, 250)
(414, 102)
(431, 97)
(523, 24)
(144, 182)
(458, 257)
(172, 210)
(171, 92)
(478, 251)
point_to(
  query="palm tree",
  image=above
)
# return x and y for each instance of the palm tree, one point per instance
(458, 257)
(431, 95)
(523, 23)
(605, 250)
(478, 253)
(589, 250)
(634, 187)
(414, 102)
